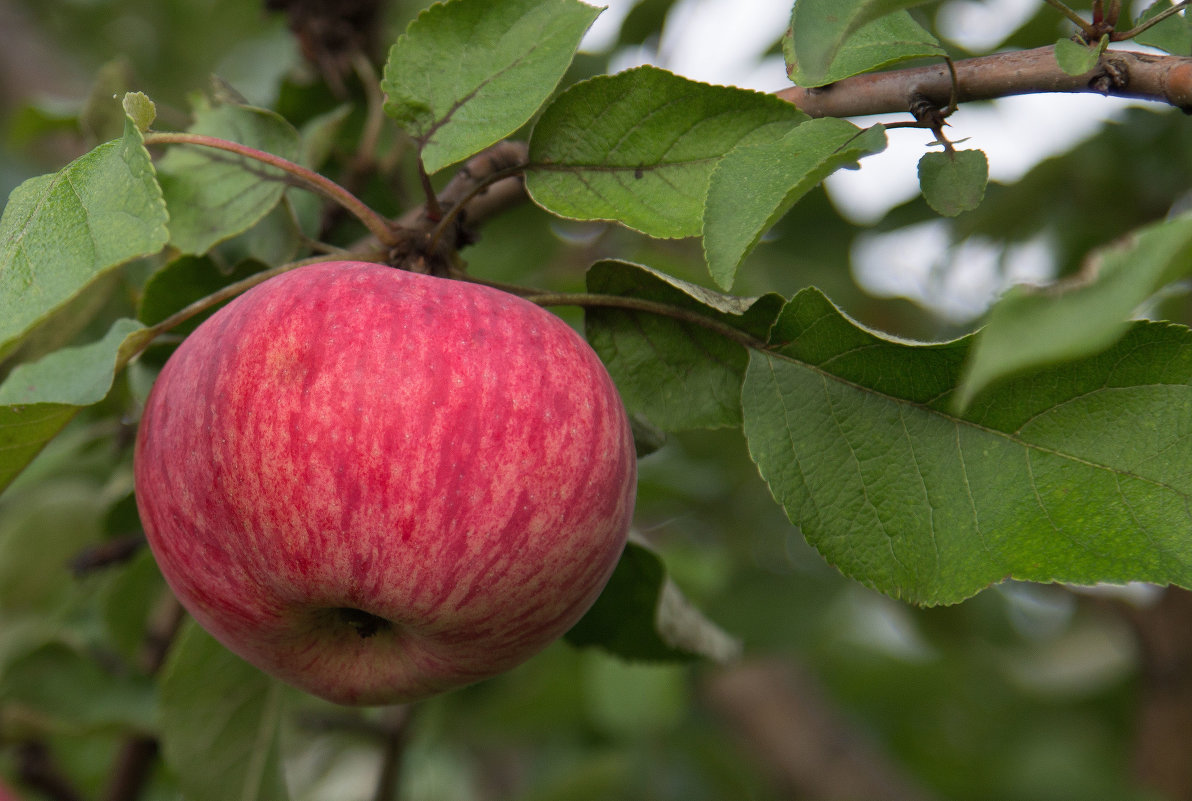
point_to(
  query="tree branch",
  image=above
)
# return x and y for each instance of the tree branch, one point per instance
(1120, 73)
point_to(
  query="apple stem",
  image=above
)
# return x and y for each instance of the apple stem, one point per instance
(375, 223)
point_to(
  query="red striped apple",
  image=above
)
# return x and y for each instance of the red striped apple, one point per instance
(377, 485)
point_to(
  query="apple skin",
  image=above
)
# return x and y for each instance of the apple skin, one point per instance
(378, 486)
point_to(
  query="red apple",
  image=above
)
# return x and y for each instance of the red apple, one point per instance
(378, 486)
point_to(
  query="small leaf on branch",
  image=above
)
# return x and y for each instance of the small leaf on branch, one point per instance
(820, 28)
(876, 45)
(638, 147)
(219, 722)
(677, 374)
(469, 73)
(642, 615)
(61, 232)
(1039, 481)
(1032, 328)
(140, 109)
(1078, 58)
(953, 181)
(214, 195)
(755, 185)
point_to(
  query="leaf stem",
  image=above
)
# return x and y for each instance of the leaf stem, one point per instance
(1150, 23)
(1078, 20)
(593, 300)
(375, 223)
(201, 305)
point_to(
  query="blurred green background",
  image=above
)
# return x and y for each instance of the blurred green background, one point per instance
(1023, 692)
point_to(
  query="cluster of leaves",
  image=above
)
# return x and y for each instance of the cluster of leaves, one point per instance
(1049, 447)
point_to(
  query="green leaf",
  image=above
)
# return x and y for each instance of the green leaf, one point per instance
(953, 182)
(61, 232)
(875, 45)
(639, 147)
(677, 374)
(37, 400)
(1081, 474)
(642, 615)
(1077, 58)
(78, 376)
(469, 73)
(214, 195)
(819, 29)
(219, 722)
(1031, 328)
(754, 186)
(70, 692)
(1173, 34)
(140, 109)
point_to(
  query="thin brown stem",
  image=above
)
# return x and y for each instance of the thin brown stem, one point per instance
(1152, 22)
(138, 755)
(395, 727)
(214, 299)
(433, 210)
(592, 300)
(1071, 15)
(376, 224)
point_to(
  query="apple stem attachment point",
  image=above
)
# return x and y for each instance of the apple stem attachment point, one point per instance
(366, 624)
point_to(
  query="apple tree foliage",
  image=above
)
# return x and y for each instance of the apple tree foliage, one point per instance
(1049, 445)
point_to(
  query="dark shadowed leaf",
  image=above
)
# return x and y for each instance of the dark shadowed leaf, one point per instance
(642, 615)
(678, 374)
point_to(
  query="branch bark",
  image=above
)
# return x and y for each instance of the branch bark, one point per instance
(1120, 73)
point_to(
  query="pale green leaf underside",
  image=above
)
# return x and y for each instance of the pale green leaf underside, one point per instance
(219, 722)
(213, 195)
(1082, 474)
(876, 45)
(61, 232)
(954, 182)
(639, 147)
(678, 375)
(37, 400)
(755, 185)
(469, 73)
(820, 28)
(1031, 328)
